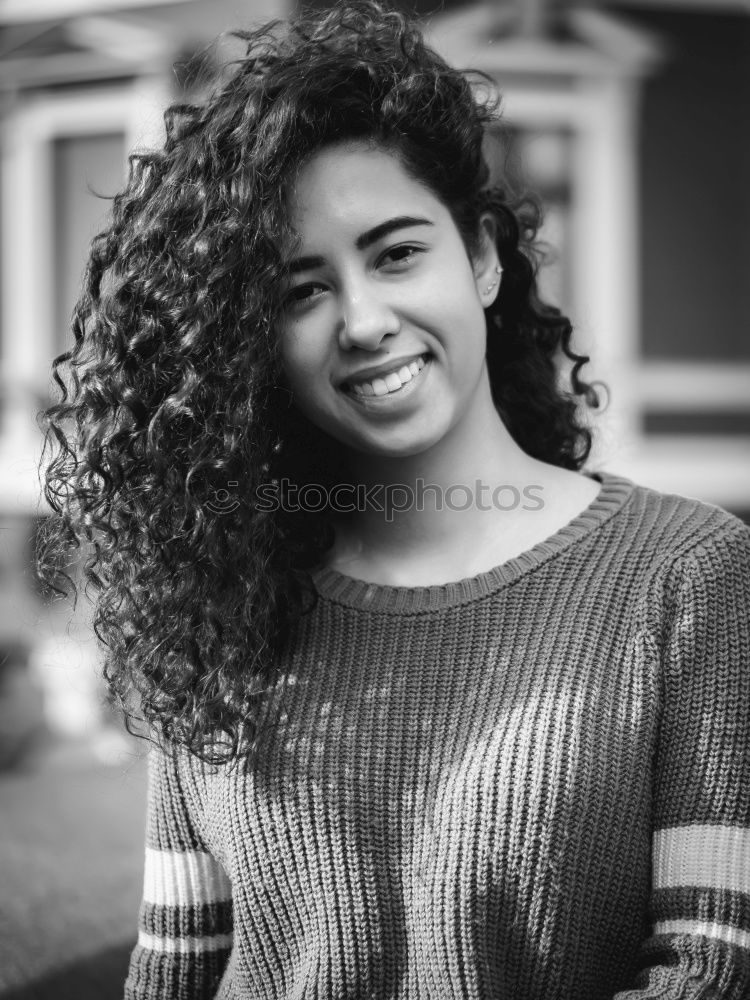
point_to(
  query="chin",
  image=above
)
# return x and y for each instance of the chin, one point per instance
(405, 448)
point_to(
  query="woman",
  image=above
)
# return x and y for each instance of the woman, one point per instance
(441, 714)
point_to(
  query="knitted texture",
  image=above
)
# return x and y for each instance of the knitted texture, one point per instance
(531, 784)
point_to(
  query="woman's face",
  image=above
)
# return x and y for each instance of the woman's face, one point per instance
(381, 283)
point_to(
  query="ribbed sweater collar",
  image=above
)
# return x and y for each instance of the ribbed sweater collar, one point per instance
(353, 593)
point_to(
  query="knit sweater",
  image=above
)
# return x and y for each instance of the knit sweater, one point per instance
(530, 784)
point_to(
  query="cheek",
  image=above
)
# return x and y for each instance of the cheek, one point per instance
(296, 359)
(453, 288)
(305, 375)
(461, 316)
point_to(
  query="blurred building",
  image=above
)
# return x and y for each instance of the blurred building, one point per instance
(631, 119)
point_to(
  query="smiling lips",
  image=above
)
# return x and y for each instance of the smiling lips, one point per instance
(391, 382)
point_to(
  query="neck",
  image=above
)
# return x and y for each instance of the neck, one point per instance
(466, 487)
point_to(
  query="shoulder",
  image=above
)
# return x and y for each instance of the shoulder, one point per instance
(692, 560)
(712, 575)
(653, 547)
(669, 526)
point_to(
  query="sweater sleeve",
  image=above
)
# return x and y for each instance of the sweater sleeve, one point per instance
(185, 920)
(699, 945)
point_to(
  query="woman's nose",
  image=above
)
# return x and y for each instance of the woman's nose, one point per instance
(365, 319)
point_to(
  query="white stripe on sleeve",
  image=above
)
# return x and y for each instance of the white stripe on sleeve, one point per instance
(184, 945)
(711, 856)
(184, 878)
(723, 932)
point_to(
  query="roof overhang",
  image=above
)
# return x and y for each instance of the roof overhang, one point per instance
(596, 43)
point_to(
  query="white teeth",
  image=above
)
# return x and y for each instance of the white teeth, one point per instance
(391, 382)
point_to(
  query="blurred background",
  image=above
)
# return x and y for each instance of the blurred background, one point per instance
(630, 120)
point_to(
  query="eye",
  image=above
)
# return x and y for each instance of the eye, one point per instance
(401, 256)
(302, 295)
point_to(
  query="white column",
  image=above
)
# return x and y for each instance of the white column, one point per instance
(151, 95)
(26, 302)
(28, 280)
(605, 237)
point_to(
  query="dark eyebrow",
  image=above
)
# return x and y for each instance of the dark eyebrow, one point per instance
(364, 241)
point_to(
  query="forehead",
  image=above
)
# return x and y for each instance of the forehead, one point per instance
(351, 184)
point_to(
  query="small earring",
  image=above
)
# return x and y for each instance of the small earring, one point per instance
(488, 289)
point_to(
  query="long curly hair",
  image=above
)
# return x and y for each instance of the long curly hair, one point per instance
(173, 409)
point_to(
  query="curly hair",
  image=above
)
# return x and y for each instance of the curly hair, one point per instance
(173, 389)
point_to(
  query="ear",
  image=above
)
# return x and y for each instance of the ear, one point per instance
(487, 267)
